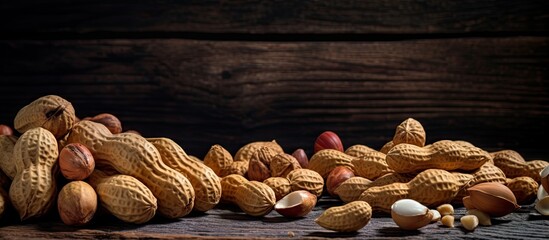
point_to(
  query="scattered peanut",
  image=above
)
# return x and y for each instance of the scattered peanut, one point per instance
(444, 154)
(350, 217)
(281, 186)
(113, 192)
(218, 158)
(255, 198)
(448, 221)
(229, 185)
(483, 218)
(431, 187)
(306, 179)
(205, 182)
(246, 152)
(32, 191)
(282, 164)
(469, 222)
(259, 165)
(410, 131)
(351, 189)
(358, 150)
(445, 209)
(514, 165)
(371, 165)
(50, 112)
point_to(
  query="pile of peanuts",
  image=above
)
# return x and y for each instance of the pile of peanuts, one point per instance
(134, 177)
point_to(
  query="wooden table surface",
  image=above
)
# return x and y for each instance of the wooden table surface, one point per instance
(232, 72)
(228, 222)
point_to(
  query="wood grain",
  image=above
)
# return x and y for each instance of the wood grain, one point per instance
(228, 222)
(279, 17)
(489, 91)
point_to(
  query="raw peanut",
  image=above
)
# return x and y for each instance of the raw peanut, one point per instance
(328, 140)
(410, 131)
(240, 168)
(387, 147)
(110, 121)
(229, 185)
(483, 218)
(50, 112)
(336, 177)
(444, 154)
(524, 188)
(306, 179)
(358, 150)
(282, 164)
(77, 203)
(351, 189)
(32, 191)
(350, 217)
(371, 165)
(469, 222)
(255, 198)
(113, 192)
(247, 151)
(445, 209)
(218, 158)
(205, 182)
(514, 165)
(487, 173)
(324, 161)
(5, 130)
(259, 166)
(133, 155)
(301, 157)
(76, 161)
(431, 187)
(448, 221)
(281, 186)
(7, 164)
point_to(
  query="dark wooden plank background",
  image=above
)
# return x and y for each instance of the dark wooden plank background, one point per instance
(231, 72)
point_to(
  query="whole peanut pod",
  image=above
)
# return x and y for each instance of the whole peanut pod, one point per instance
(255, 198)
(205, 182)
(114, 191)
(33, 191)
(444, 154)
(371, 165)
(218, 159)
(133, 155)
(410, 131)
(246, 152)
(514, 165)
(7, 165)
(229, 186)
(50, 112)
(431, 187)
